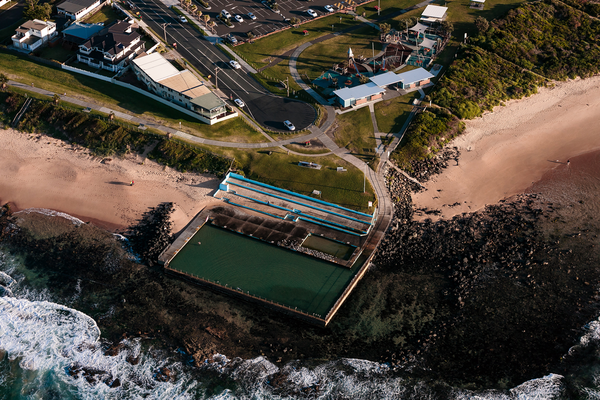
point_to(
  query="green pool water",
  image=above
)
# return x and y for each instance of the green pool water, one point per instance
(277, 274)
(336, 249)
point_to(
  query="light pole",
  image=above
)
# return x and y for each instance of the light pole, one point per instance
(365, 178)
(216, 78)
(378, 7)
(165, 30)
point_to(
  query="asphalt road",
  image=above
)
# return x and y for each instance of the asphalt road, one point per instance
(267, 109)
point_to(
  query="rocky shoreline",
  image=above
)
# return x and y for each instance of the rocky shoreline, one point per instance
(484, 300)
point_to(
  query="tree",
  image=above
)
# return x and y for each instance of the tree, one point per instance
(198, 14)
(206, 18)
(55, 98)
(3, 81)
(34, 10)
(384, 28)
(194, 8)
(447, 26)
(294, 21)
(482, 24)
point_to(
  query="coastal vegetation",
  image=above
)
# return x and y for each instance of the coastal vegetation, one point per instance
(509, 58)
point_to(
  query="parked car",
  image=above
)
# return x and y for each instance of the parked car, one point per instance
(311, 12)
(251, 16)
(239, 103)
(231, 39)
(225, 14)
(239, 18)
(182, 19)
(234, 64)
(328, 8)
(289, 125)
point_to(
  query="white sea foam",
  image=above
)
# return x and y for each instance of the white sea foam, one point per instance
(51, 213)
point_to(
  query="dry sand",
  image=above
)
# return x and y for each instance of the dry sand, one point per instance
(506, 151)
(42, 172)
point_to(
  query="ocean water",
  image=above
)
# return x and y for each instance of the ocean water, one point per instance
(46, 347)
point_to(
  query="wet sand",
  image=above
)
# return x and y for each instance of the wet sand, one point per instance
(42, 172)
(504, 152)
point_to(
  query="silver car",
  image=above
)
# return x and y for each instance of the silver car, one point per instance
(289, 125)
(239, 103)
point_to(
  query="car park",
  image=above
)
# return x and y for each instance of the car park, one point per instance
(311, 12)
(251, 16)
(239, 103)
(289, 125)
(182, 19)
(225, 14)
(239, 18)
(234, 64)
(328, 8)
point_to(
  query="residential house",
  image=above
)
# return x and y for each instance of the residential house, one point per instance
(405, 80)
(77, 9)
(181, 88)
(78, 33)
(112, 47)
(33, 34)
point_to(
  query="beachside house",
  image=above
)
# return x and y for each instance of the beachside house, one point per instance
(433, 14)
(77, 9)
(3, 2)
(33, 34)
(181, 88)
(112, 47)
(358, 95)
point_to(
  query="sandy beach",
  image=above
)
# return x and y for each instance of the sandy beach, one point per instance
(504, 152)
(42, 172)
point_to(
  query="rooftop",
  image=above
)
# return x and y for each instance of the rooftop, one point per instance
(432, 11)
(208, 101)
(74, 6)
(415, 75)
(358, 92)
(187, 84)
(156, 67)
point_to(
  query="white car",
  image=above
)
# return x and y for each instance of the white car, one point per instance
(182, 19)
(234, 64)
(239, 18)
(311, 12)
(289, 125)
(252, 16)
(225, 14)
(328, 8)
(239, 103)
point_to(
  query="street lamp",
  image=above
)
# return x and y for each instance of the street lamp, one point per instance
(365, 178)
(165, 30)
(378, 7)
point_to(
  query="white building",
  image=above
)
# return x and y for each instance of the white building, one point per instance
(77, 9)
(33, 34)
(433, 14)
(112, 47)
(181, 88)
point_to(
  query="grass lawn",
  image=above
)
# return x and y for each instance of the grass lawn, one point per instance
(282, 170)
(56, 53)
(227, 131)
(391, 114)
(106, 14)
(22, 69)
(355, 132)
(260, 52)
(271, 77)
(387, 7)
(320, 57)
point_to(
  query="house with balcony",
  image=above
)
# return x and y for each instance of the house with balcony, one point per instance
(112, 47)
(181, 88)
(33, 34)
(77, 9)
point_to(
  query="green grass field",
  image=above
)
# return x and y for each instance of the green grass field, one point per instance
(387, 7)
(355, 132)
(392, 114)
(261, 51)
(22, 69)
(106, 14)
(320, 57)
